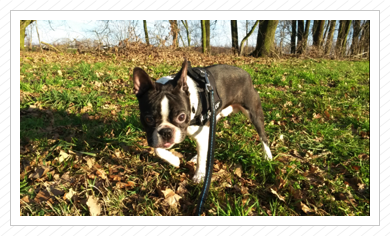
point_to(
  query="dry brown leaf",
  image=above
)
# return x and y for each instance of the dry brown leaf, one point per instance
(69, 194)
(305, 208)
(171, 198)
(101, 173)
(94, 206)
(276, 194)
(238, 170)
(63, 156)
(42, 196)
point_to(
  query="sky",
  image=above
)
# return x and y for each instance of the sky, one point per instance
(80, 16)
(52, 31)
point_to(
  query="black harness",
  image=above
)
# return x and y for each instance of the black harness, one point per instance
(202, 115)
(209, 105)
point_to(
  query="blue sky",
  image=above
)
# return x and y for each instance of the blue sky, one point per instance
(73, 24)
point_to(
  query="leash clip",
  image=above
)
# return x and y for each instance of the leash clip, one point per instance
(207, 84)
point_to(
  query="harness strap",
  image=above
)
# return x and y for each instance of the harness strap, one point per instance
(210, 152)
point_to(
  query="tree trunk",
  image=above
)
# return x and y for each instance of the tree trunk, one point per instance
(341, 43)
(301, 30)
(204, 44)
(314, 28)
(146, 32)
(305, 36)
(325, 32)
(246, 37)
(265, 38)
(185, 23)
(293, 35)
(174, 33)
(205, 36)
(355, 37)
(319, 31)
(233, 24)
(23, 26)
(346, 33)
(329, 40)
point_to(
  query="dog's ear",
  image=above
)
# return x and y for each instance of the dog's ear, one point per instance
(142, 81)
(182, 82)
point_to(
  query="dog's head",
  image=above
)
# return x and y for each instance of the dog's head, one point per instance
(165, 108)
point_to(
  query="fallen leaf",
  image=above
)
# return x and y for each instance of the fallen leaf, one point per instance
(171, 198)
(238, 170)
(316, 116)
(69, 194)
(276, 193)
(305, 208)
(63, 156)
(42, 196)
(101, 173)
(94, 206)
(327, 114)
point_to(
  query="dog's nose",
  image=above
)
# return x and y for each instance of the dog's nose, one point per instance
(166, 133)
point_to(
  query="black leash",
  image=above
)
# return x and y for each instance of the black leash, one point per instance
(210, 152)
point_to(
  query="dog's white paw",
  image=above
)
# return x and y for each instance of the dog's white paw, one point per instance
(168, 157)
(198, 177)
(268, 154)
(194, 159)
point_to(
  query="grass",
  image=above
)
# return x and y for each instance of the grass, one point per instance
(79, 124)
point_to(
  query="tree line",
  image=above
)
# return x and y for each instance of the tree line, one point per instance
(336, 38)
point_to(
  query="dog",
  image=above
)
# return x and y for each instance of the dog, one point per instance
(170, 109)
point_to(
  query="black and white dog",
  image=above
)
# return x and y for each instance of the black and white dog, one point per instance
(170, 106)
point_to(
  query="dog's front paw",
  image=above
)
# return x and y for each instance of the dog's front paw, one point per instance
(198, 177)
(168, 157)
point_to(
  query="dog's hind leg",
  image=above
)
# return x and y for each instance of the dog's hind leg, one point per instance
(256, 116)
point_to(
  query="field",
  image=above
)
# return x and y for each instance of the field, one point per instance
(83, 151)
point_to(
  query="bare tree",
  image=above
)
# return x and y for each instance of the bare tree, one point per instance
(265, 38)
(329, 40)
(205, 36)
(293, 35)
(174, 33)
(247, 36)
(146, 32)
(318, 33)
(303, 34)
(341, 42)
(23, 26)
(185, 23)
(355, 37)
(233, 24)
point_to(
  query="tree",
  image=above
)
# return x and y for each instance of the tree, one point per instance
(293, 35)
(305, 36)
(146, 32)
(318, 32)
(205, 24)
(355, 37)
(174, 33)
(325, 32)
(329, 40)
(185, 23)
(341, 42)
(265, 38)
(23, 26)
(233, 24)
(247, 36)
(301, 30)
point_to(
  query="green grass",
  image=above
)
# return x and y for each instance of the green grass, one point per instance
(317, 121)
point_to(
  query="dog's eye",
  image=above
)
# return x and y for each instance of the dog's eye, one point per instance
(181, 117)
(149, 119)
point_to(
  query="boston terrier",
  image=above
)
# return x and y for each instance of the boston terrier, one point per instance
(170, 109)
